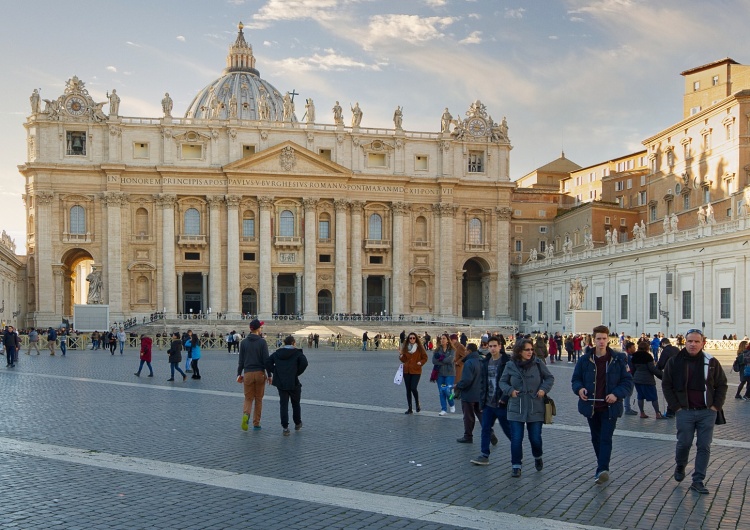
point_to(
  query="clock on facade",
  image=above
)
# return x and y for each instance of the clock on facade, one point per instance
(477, 127)
(75, 105)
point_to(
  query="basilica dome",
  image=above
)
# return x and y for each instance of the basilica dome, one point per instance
(240, 92)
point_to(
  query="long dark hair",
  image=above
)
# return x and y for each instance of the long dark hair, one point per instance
(518, 347)
(418, 342)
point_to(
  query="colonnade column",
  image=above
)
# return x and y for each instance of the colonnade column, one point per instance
(298, 293)
(234, 289)
(387, 297)
(437, 262)
(341, 304)
(399, 210)
(44, 283)
(215, 204)
(266, 298)
(446, 258)
(114, 200)
(356, 257)
(205, 277)
(502, 284)
(180, 293)
(311, 257)
(364, 294)
(166, 202)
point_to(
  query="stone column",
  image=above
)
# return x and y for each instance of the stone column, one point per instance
(298, 293)
(356, 257)
(341, 304)
(58, 272)
(234, 291)
(502, 285)
(446, 258)
(215, 204)
(387, 293)
(275, 292)
(266, 298)
(311, 256)
(399, 210)
(114, 200)
(166, 201)
(180, 293)
(437, 260)
(205, 277)
(364, 294)
(44, 281)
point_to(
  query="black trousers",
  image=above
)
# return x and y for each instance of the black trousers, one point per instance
(284, 397)
(194, 367)
(410, 382)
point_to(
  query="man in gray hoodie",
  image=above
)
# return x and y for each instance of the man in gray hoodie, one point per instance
(252, 361)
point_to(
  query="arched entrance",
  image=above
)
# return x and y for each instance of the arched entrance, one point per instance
(249, 302)
(78, 264)
(325, 302)
(472, 293)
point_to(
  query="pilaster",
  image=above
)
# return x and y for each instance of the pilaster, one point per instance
(311, 254)
(266, 294)
(234, 296)
(356, 257)
(215, 205)
(341, 304)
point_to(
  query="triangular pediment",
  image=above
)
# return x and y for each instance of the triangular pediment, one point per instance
(287, 158)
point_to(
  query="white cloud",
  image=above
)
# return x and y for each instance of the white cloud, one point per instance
(112, 69)
(180, 38)
(409, 28)
(476, 16)
(129, 43)
(475, 37)
(576, 19)
(236, 2)
(514, 13)
(553, 37)
(267, 43)
(435, 3)
(330, 61)
(297, 9)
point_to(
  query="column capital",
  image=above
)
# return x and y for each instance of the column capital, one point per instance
(44, 197)
(215, 201)
(165, 200)
(204, 274)
(180, 274)
(265, 202)
(365, 276)
(356, 206)
(503, 213)
(444, 209)
(310, 203)
(233, 201)
(341, 205)
(401, 208)
(275, 275)
(297, 274)
(113, 198)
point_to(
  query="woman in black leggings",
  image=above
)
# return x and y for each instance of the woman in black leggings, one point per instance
(413, 356)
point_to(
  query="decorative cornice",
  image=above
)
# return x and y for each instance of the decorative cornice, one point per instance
(113, 198)
(504, 213)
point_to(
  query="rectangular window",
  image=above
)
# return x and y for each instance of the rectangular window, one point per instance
(524, 312)
(376, 260)
(653, 306)
(248, 256)
(76, 143)
(518, 229)
(192, 256)
(324, 258)
(542, 246)
(539, 313)
(248, 150)
(652, 213)
(687, 305)
(623, 307)
(592, 176)
(706, 195)
(324, 231)
(696, 85)
(726, 302)
(248, 228)
(619, 186)
(707, 141)
(140, 150)
(542, 213)
(599, 303)
(542, 229)
(641, 198)
(518, 245)
(325, 153)
(558, 309)
(694, 110)
(686, 202)
(476, 162)
(643, 180)
(729, 131)
(715, 80)
(376, 160)
(420, 163)
(192, 151)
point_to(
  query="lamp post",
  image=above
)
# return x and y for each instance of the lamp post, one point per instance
(665, 314)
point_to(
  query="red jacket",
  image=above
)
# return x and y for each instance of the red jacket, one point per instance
(146, 349)
(577, 342)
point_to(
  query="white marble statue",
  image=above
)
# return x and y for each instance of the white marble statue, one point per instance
(636, 232)
(532, 255)
(608, 237)
(615, 237)
(701, 216)
(673, 222)
(288, 107)
(551, 250)
(338, 114)
(35, 102)
(577, 294)
(643, 230)
(310, 110)
(568, 247)
(95, 286)
(166, 105)
(445, 121)
(398, 117)
(665, 224)
(264, 107)
(233, 106)
(356, 115)
(114, 103)
(710, 219)
(588, 242)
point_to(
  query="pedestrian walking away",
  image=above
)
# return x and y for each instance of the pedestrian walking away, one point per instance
(145, 356)
(525, 380)
(470, 386)
(251, 372)
(33, 341)
(285, 366)
(175, 356)
(601, 381)
(194, 343)
(51, 340)
(644, 372)
(742, 362)
(413, 356)
(667, 352)
(695, 386)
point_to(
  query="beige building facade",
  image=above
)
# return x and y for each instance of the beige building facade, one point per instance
(241, 208)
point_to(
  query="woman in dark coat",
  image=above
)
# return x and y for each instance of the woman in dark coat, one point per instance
(175, 357)
(644, 371)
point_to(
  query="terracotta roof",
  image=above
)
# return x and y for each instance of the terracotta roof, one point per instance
(561, 165)
(725, 60)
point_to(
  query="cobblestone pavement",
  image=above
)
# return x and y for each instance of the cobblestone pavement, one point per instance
(87, 444)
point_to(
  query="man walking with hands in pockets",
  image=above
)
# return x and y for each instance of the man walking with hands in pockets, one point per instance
(252, 361)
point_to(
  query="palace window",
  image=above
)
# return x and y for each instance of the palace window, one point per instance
(248, 224)
(686, 201)
(476, 162)
(558, 311)
(715, 80)
(726, 302)
(286, 224)
(75, 143)
(539, 311)
(475, 232)
(375, 227)
(653, 305)
(77, 220)
(518, 245)
(420, 229)
(324, 228)
(687, 305)
(599, 303)
(623, 307)
(192, 222)
(652, 213)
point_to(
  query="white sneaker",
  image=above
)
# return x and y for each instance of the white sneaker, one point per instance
(453, 409)
(442, 413)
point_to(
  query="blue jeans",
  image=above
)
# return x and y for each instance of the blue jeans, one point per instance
(140, 367)
(176, 366)
(602, 429)
(122, 346)
(489, 415)
(627, 400)
(445, 388)
(364, 345)
(63, 346)
(516, 440)
(698, 423)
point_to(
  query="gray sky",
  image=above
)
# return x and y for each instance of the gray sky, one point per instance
(592, 77)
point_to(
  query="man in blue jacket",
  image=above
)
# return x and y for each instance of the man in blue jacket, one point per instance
(601, 381)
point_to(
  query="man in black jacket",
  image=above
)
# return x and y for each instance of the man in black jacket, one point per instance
(286, 365)
(470, 387)
(494, 405)
(695, 387)
(667, 352)
(252, 361)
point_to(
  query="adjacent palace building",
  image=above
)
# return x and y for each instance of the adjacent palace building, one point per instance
(240, 207)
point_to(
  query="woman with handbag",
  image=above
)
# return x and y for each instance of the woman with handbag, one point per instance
(442, 359)
(526, 380)
(413, 356)
(644, 371)
(743, 353)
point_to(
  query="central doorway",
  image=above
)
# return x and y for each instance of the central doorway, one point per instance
(471, 290)
(287, 294)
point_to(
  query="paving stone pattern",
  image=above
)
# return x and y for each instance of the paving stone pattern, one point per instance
(355, 437)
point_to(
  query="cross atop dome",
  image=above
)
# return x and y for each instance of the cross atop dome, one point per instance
(240, 57)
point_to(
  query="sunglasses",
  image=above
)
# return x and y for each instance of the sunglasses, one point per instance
(412, 338)
(694, 330)
(528, 349)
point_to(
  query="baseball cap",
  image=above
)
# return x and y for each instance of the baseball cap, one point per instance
(256, 324)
